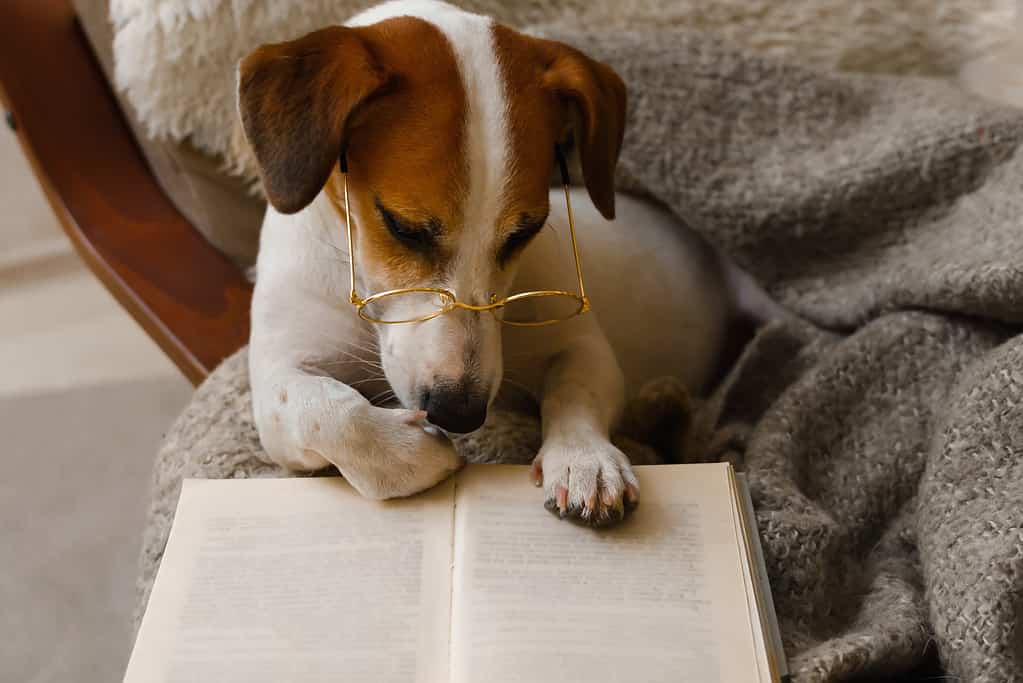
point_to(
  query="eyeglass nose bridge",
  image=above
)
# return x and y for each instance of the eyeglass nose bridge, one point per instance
(451, 303)
(494, 304)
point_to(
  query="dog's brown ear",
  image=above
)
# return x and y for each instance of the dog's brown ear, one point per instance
(599, 96)
(295, 100)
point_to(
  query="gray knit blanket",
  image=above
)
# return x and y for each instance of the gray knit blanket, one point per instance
(881, 424)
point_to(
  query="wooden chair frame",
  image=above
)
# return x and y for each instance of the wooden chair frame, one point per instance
(186, 295)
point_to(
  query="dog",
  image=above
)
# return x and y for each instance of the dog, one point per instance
(432, 134)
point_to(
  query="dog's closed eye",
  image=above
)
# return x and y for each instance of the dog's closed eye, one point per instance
(418, 237)
(525, 230)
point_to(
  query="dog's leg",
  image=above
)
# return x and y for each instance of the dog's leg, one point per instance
(307, 421)
(307, 352)
(583, 474)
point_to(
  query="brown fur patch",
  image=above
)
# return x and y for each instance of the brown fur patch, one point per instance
(407, 151)
(536, 120)
(553, 88)
(295, 101)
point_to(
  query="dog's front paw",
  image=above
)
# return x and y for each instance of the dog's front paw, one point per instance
(386, 453)
(591, 482)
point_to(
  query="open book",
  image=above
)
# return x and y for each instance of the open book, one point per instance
(273, 580)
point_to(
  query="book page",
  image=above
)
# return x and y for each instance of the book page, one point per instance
(657, 598)
(273, 580)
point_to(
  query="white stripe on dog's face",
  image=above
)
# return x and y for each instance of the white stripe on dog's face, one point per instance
(460, 349)
(485, 138)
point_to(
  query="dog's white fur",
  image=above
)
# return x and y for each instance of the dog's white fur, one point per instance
(659, 308)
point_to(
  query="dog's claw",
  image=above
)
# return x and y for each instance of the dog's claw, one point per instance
(536, 472)
(632, 494)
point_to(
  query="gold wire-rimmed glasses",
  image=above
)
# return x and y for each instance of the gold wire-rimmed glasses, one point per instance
(520, 310)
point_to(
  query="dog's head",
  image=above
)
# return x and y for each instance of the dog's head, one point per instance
(448, 123)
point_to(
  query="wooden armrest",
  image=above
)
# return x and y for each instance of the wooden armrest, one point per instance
(187, 296)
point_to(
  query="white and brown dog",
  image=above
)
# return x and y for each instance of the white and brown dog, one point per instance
(448, 123)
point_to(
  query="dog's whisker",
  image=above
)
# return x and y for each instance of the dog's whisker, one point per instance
(372, 375)
(374, 370)
(351, 354)
(370, 347)
(350, 361)
(337, 261)
(338, 256)
(373, 349)
(326, 243)
(366, 380)
(364, 344)
(333, 248)
(383, 396)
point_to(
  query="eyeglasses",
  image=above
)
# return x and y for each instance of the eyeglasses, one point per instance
(525, 309)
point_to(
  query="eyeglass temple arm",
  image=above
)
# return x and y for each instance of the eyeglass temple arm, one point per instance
(352, 296)
(566, 181)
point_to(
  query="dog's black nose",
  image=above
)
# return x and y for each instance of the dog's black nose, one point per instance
(454, 407)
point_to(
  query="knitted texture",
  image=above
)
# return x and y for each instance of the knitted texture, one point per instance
(881, 422)
(884, 213)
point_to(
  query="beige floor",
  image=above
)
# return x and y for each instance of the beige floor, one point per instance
(59, 327)
(26, 219)
(62, 329)
(85, 397)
